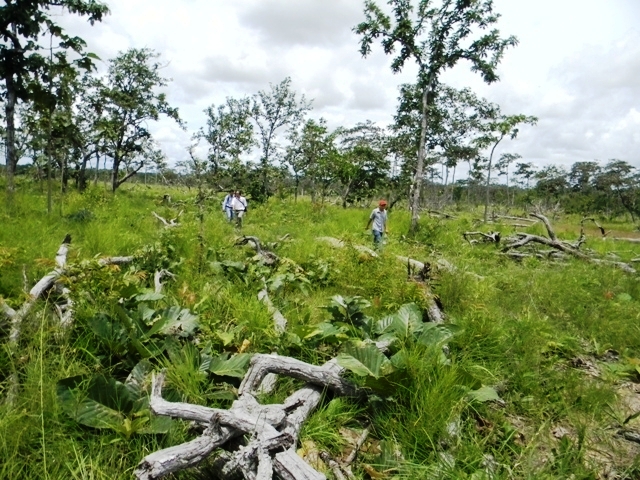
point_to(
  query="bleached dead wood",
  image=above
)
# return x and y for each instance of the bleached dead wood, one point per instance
(168, 223)
(439, 214)
(103, 262)
(517, 219)
(334, 242)
(7, 313)
(271, 427)
(157, 279)
(626, 239)
(520, 240)
(279, 322)
(43, 285)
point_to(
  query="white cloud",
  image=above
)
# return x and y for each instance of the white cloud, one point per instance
(576, 66)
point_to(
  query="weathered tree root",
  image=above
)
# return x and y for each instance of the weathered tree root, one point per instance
(274, 429)
(573, 249)
(168, 223)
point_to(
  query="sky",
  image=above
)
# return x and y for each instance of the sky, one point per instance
(576, 66)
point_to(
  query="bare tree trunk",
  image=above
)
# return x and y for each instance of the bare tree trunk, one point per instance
(486, 200)
(10, 134)
(415, 201)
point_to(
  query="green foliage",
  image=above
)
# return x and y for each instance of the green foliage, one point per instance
(509, 374)
(104, 402)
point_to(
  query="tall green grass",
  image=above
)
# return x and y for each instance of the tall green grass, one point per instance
(520, 328)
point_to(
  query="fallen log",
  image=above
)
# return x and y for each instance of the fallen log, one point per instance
(39, 289)
(279, 322)
(334, 242)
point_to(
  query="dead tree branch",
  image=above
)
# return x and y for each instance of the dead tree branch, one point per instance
(520, 240)
(279, 322)
(273, 429)
(157, 279)
(266, 257)
(168, 223)
(490, 237)
(38, 290)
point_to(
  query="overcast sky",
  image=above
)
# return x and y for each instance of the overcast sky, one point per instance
(576, 67)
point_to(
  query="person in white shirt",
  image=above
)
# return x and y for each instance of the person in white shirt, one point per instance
(239, 206)
(378, 218)
(226, 205)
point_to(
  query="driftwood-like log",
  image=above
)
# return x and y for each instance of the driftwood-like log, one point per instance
(626, 239)
(279, 321)
(168, 223)
(157, 279)
(273, 429)
(436, 213)
(334, 242)
(103, 262)
(38, 290)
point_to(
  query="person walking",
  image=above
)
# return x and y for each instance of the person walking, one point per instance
(239, 206)
(378, 220)
(226, 205)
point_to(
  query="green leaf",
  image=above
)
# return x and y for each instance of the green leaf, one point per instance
(149, 297)
(136, 382)
(99, 402)
(175, 321)
(624, 297)
(433, 335)
(226, 337)
(404, 323)
(366, 360)
(235, 366)
(483, 394)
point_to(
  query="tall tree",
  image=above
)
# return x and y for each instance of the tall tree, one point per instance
(311, 149)
(130, 100)
(23, 67)
(495, 130)
(273, 110)
(229, 131)
(507, 159)
(436, 35)
(362, 162)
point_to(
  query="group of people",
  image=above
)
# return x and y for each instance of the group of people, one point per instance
(234, 206)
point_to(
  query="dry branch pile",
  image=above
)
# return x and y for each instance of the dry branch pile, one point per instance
(558, 248)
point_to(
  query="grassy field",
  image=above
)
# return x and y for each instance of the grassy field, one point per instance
(557, 342)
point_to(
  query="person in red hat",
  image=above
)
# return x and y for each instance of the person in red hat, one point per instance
(378, 220)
